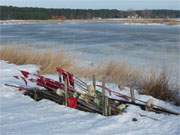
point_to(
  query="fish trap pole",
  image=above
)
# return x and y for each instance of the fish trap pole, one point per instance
(94, 82)
(105, 101)
(66, 91)
(132, 95)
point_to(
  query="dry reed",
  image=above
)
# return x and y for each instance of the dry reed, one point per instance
(118, 73)
(48, 61)
(156, 85)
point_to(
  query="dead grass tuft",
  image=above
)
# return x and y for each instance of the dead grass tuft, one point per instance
(48, 61)
(119, 73)
(158, 86)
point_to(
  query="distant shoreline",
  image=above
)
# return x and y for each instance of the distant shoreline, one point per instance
(149, 21)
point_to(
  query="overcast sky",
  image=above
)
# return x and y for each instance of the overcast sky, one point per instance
(96, 4)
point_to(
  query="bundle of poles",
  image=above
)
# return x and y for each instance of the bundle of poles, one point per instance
(62, 92)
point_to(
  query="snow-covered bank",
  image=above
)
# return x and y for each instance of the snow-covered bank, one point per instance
(21, 115)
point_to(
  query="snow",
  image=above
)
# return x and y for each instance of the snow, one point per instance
(150, 24)
(20, 115)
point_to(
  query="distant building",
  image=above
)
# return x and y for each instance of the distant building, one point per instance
(96, 18)
(58, 17)
(136, 16)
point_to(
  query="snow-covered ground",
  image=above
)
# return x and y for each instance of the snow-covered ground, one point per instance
(20, 115)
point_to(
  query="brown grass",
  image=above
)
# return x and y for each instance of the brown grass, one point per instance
(156, 85)
(150, 83)
(118, 73)
(48, 61)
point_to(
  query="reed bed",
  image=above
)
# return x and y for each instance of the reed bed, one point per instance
(152, 83)
(47, 60)
(159, 86)
(119, 73)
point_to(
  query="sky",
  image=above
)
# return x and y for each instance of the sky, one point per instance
(96, 4)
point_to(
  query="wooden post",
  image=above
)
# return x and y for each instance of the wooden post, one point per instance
(132, 95)
(106, 106)
(105, 100)
(66, 91)
(94, 82)
(103, 97)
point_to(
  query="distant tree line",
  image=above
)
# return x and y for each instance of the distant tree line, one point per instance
(25, 13)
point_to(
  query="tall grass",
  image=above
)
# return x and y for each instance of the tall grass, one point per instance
(154, 84)
(48, 61)
(159, 86)
(119, 73)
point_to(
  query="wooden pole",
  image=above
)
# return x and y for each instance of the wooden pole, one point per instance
(106, 106)
(105, 100)
(132, 95)
(66, 91)
(94, 82)
(103, 97)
